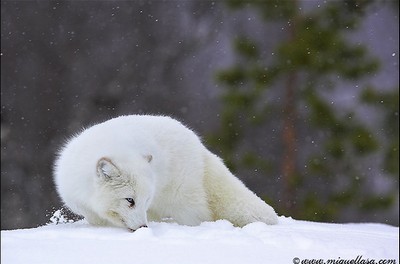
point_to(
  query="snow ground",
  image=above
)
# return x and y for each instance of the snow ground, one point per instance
(211, 242)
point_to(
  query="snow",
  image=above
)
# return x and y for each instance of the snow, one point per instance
(291, 241)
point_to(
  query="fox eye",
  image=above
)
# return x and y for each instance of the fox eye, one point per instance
(131, 202)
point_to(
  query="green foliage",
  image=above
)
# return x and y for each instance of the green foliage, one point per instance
(377, 202)
(232, 77)
(246, 47)
(320, 48)
(392, 157)
(363, 141)
(317, 49)
(321, 114)
(388, 102)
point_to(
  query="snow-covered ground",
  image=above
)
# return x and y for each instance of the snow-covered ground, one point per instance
(291, 241)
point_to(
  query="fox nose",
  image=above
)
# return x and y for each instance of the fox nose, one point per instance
(133, 230)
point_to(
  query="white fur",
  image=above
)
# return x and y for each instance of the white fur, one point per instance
(159, 163)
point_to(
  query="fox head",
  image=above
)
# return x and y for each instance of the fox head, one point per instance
(124, 191)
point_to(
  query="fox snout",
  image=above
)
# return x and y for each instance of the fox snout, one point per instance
(133, 230)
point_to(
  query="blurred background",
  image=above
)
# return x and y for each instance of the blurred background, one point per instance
(300, 98)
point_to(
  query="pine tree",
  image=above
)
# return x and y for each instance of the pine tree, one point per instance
(315, 54)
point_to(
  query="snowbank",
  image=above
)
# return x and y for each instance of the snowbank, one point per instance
(291, 241)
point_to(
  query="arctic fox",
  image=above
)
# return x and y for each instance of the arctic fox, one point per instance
(138, 168)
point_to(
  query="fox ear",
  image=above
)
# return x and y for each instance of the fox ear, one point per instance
(149, 158)
(106, 169)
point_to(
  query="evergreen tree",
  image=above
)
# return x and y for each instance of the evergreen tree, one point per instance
(315, 55)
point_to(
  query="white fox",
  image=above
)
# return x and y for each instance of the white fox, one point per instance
(138, 168)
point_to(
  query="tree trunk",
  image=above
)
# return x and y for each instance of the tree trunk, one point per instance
(289, 131)
(289, 144)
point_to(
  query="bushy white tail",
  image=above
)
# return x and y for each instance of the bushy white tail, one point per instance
(230, 199)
